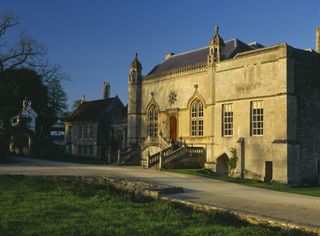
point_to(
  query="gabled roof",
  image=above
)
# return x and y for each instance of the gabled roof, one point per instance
(232, 47)
(91, 110)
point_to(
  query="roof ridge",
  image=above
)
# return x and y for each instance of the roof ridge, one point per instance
(190, 51)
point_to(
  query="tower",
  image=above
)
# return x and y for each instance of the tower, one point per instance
(134, 101)
(216, 46)
(318, 40)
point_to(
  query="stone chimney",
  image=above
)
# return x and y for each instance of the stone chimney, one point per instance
(106, 90)
(168, 55)
(318, 40)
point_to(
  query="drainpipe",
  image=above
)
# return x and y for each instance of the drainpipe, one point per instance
(242, 160)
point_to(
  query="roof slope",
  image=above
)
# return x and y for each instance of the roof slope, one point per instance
(232, 47)
(91, 110)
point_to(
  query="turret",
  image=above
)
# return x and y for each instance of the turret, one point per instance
(135, 69)
(216, 47)
(134, 102)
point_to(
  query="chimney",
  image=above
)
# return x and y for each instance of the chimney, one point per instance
(83, 99)
(168, 55)
(318, 40)
(106, 90)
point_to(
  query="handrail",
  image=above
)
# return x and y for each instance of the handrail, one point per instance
(154, 159)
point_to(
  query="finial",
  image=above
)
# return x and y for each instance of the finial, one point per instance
(152, 94)
(196, 87)
(216, 29)
(136, 56)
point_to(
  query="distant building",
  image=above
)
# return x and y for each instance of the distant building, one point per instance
(57, 133)
(97, 128)
(263, 102)
(24, 123)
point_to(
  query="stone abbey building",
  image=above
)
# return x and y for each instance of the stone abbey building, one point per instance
(263, 102)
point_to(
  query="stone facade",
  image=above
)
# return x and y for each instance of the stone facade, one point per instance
(97, 128)
(260, 101)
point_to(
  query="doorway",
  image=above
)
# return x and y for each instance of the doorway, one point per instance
(268, 171)
(173, 128)
(222, 168)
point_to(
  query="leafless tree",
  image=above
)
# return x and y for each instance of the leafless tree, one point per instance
(25, 52)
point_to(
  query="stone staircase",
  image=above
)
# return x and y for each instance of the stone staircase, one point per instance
(130, 156)
(170, 156)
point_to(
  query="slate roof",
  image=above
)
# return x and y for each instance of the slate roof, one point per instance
(91, 110)
(232, 47)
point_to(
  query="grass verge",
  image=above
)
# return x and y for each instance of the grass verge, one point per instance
(311, 191)
(47, 206)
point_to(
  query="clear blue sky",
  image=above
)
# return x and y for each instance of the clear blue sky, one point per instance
(95, 40)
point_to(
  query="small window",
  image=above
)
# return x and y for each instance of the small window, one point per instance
(85, 150)
(227, 120)
(257, 118)
(80, 149)
(91, 149)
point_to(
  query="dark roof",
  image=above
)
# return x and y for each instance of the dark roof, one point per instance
(232, 47)
(91, 110)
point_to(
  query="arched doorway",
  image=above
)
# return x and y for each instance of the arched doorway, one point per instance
(222, 167)
(173, 128)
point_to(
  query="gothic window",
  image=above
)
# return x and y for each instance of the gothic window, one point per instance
(227, 120)
(257, 118)
(153, 121)
(197, 118)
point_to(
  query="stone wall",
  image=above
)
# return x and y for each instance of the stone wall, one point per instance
(306, 70)
(259, 75)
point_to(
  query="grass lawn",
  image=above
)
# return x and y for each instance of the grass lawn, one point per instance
(45, 206)
(311, 191)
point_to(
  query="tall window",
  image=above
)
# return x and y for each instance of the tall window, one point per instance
(257, 118)
(227, 120)
(80, 132)
(85, 129)
(153, 121)
(197, 118)
(70, 133)
(91, 132)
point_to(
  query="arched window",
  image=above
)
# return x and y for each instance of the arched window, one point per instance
(197, 118)
(153, 121)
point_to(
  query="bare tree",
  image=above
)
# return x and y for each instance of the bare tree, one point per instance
(26, 52)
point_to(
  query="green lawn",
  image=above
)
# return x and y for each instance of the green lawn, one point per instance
(45, 206)
(311, 191)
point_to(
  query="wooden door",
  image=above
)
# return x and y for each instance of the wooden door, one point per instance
(173, 128)
(268, 171)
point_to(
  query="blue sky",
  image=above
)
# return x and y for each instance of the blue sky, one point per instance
(95, 40)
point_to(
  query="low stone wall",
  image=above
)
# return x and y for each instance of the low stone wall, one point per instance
(161, 192)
